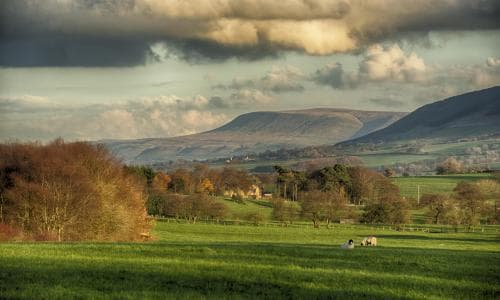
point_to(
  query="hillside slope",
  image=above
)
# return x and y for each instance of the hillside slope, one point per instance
(257, 132)
(474, 114)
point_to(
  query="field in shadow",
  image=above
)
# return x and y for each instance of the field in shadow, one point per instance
(240, 269)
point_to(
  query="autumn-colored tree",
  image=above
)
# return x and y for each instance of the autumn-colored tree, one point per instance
(284, 211)
(181, 181)
(438, 206)
(193, 207)
(363, 184)
(388, 172)
(388, 209)
(335, 205)
(217, 211)
(471, 202)
(160, 182)
(491, 189)
(234, 179)
(450, 166)
(313, 206)
(215, 177)
(70, 191)
(173, 205)
(206, 187)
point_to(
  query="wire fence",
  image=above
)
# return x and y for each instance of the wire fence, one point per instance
(425, 228)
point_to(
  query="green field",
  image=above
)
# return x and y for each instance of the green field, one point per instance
(391, 154)
(240, 211)
(433, 184)
(217, 261)
(389, 159)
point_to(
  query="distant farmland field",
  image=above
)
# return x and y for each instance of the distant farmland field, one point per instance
(433, 184)
(217, 261)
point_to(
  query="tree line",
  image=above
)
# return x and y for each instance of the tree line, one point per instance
(467, 205)
(190, 193)
(78, 191)
(330, 194)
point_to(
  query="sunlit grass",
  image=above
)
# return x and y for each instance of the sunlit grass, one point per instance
(203, 260)
(433, 184)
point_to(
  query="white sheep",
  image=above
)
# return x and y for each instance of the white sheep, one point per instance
(369, 241)
(348, 245)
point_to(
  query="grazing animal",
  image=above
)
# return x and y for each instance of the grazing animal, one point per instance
(369, 241)
(145, 236)
(348, 245)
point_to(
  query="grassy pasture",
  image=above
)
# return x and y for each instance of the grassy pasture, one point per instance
(216, 261)
(389, 159)
(239, 211)
(433, 184)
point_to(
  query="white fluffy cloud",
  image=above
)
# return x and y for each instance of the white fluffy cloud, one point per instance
(379, 64)
(250, 97)
(161, 116)
(391, 64)
(277, 80)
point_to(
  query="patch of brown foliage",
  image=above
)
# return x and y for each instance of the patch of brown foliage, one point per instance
(69, 191)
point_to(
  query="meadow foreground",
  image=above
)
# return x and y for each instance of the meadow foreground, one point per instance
(217, 261)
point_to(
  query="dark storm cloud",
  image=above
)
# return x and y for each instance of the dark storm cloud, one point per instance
(120, 33)
(65, 51)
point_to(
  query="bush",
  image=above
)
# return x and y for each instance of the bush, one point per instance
(70, 191)
(255, 217)
(238, 198)
(390, 209)
(192, 207)
(8, 232)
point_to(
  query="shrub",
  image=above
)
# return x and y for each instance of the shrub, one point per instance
(255, 217)
(390, 209)
(7, 232)
(238, 198)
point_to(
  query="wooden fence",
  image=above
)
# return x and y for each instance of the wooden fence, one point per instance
(426, 228)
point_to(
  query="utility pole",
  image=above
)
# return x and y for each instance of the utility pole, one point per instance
(418, 194)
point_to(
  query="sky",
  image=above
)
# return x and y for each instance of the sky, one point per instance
(128, 69)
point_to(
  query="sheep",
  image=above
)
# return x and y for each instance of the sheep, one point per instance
(348, 245)
(369, 241)
(145, 236)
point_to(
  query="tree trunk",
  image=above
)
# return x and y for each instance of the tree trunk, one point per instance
(315, 223)
(1, 208)
(437, 218)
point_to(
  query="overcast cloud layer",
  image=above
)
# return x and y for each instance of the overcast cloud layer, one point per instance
(97, 69)
(122, 32)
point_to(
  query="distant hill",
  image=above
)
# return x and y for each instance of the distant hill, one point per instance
(475, 114)
(257, 132)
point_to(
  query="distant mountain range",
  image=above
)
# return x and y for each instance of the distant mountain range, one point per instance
(471, 115)
(475, 114)
(257, 132)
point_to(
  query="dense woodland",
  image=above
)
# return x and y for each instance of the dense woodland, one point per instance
(78, 191)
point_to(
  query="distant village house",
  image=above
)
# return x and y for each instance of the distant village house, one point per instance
(253, 192)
